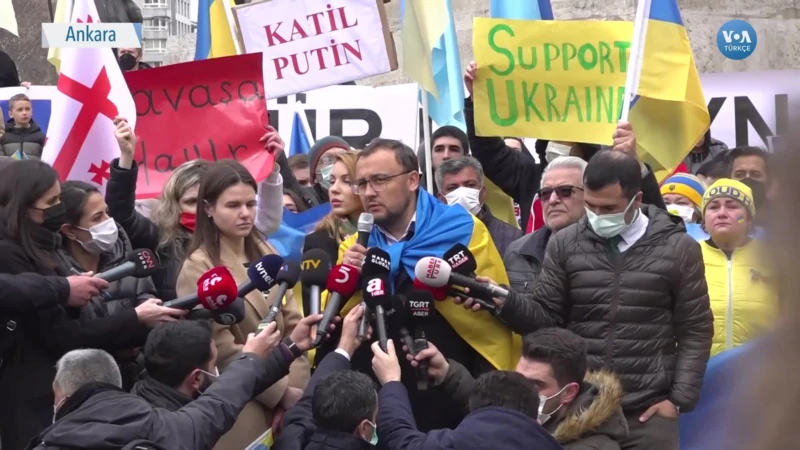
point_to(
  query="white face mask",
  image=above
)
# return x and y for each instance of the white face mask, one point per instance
(608, 225)
(543, 416)
(555, 150)
(104, 237)
(469, 198)
(326, 177)
(684, 212)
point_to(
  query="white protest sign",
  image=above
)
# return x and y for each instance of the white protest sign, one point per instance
(309, 44)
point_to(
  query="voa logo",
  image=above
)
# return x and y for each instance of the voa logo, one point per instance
(737, 39)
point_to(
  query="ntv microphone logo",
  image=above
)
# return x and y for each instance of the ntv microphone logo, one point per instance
(737, 39)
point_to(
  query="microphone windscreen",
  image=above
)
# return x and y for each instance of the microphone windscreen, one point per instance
(145, 262)
(433, 272)
(461, 260)
(316, 265)
(439, 293)
(378, 263)
(365, 223)
(289, 273)
(343, 280)
(396, 313)
(264, 273)
(376, 292)
(230, 315)
(419, 307)
(216, 288)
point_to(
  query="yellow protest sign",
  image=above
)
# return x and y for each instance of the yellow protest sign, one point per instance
(556, 80)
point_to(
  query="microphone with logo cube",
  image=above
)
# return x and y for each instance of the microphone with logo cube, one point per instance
(377, 264)
(436, 272)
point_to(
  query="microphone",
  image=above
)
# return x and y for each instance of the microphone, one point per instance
(287, 278)
(439, 293)
(420, 313)
(376, 295)
(436, 272)
(365, 223)
(377, 263)
(316, 266)
(463, 262)
(139, 263)
(231, 315)
(261, 275)
(342, 284)
(216, 289)
(395, 319)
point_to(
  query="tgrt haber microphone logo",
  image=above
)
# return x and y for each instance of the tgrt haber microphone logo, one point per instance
(433, 268)
(376, 288)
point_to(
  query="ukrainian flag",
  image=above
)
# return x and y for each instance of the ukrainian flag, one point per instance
(214, 35)
(439, 227)
(63, 14)
(521, 9)
(669, 113)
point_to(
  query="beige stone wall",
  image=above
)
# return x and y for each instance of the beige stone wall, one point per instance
(777, 23)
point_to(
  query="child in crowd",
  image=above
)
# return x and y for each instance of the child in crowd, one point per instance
(23, 138)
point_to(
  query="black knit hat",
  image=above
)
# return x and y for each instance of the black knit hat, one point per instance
(322, 146)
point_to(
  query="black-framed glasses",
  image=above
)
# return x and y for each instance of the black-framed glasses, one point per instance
(562, 192)
(378, 183)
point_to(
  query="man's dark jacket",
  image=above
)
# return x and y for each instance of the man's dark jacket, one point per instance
(486, 428)
(523, 260)
(651, 326)
(112, 418)
(502, 233)
(299, 431)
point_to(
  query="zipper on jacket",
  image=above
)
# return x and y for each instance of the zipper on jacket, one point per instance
(729, 316)
(616, 260)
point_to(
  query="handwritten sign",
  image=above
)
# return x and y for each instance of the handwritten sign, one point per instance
(314, 43)
(213, 109)
(556, 80)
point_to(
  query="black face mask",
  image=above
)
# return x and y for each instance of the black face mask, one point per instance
(54, 217)
(127, 62)
(759, 189)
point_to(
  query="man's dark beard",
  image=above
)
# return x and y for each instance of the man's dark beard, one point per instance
(393, 218)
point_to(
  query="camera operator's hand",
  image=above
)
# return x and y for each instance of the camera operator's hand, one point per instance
(82, 288)
(437, 363)
(385, 364)
(349, 342)
(302, 333)
(263, 343)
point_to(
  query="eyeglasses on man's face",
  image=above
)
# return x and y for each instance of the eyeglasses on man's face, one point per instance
(378, 183)
(562, 192)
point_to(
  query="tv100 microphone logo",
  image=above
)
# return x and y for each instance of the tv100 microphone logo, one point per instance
(737, 39)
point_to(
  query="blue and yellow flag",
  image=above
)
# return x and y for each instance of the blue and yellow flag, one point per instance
(669, 113)
(214, 36)
(437, 228)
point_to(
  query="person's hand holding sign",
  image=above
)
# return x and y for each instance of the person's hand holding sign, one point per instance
(272, 140)
(126, 140)
(625, 139)
(469, 76)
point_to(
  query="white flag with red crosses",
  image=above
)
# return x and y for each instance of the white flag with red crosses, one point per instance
(91, 92)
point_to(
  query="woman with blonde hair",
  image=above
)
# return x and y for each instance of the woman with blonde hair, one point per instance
(226, 236)
(172, 223)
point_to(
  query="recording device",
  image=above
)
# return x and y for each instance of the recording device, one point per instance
(342, 283)
(316, 265)
(377, 263)
(261, 275)
(420, 310)
(139, 264)
(437, 273)
(376, 296)
(286, 279)
(216, 290)
(231, 315)
(365, 224)
(462, 261)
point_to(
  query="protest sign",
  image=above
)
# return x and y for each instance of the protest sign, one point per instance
(213, 109)
(556, 80)
(315, 43)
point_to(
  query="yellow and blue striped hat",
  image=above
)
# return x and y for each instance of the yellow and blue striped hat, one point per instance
(686, 185)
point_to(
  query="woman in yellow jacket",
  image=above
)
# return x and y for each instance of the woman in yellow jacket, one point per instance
(740, 284)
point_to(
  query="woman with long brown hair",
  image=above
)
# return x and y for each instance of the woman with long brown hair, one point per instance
(225, 235)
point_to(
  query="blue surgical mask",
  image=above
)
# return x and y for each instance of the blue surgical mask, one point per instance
(608, 225)
(326, 177)
(374, 440)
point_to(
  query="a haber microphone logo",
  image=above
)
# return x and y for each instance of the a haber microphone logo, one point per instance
(375, 287)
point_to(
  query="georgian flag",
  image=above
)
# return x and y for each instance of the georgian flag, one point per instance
(91, 91)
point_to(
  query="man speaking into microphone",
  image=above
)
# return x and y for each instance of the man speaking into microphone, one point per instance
(411, 224)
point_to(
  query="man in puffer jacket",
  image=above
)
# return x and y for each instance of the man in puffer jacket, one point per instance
(631, 282)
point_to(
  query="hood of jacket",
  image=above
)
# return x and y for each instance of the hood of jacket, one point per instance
(34, 128)
(596, 410)
(489, 428)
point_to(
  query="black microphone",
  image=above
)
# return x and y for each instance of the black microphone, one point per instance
(463, 262)
(316, 265)
(396, 320)
(342, 284)
(286, 279)
(420, 311)
(230, 315)
(377, 263)
(261, 275)
(139, 263)
(365, 224)
(376, 295)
